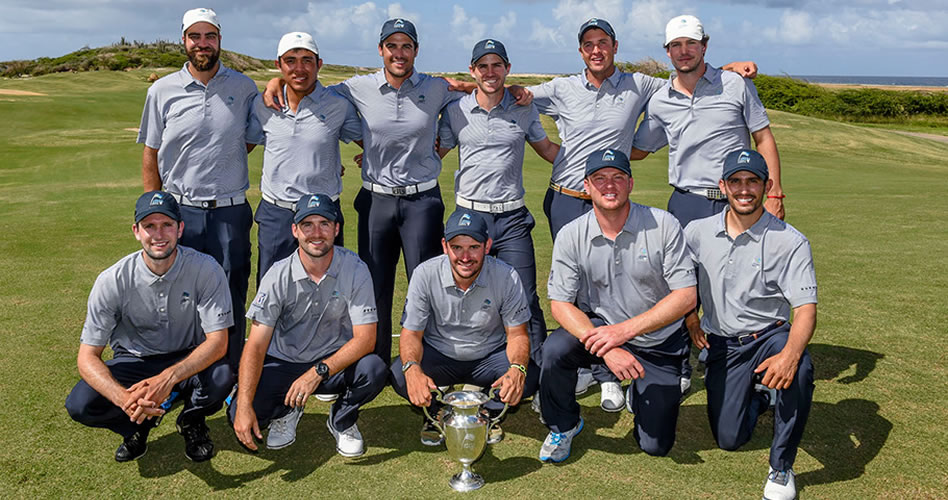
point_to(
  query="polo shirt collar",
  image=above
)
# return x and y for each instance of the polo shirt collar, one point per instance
(187, 78)
(613, 79)
(595, 230)
(298, 272)
(382, 82)
(313, 96)
(148, 277)
(447, 276)
(755, 232)
(469, 102)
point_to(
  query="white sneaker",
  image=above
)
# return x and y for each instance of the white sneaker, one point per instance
(780, 485)
(328, 398)
(283, 430)
(557, 445)
(349, 442)
(584, 381)
(611, 399)
(535, 406)
(685, 384)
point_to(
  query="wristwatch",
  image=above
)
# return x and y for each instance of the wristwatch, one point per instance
(322, 369)
(407, 365)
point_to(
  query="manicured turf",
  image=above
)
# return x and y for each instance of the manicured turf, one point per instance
(871, 202)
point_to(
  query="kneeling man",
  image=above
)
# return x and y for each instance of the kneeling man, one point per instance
(313, 331)
(753, 271)
(465, 322)
(620, 285)
(164, 311)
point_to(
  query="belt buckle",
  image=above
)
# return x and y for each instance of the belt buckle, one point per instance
(400, 190)
(496, 208)
(714, 193)
(747, 339)
(209, 204)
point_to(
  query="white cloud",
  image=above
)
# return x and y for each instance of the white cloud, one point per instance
(504, 27)
(468, 30)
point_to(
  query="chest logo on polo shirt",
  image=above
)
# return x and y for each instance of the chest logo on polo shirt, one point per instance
(230, 100)
(643, 255)
(322, 117)
(185, 298)
(421, 98)
(486, 304)
(756, 263)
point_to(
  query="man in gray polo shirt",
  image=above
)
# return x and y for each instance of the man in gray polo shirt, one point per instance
(465, 321)
(313, 331)
(302, 147)
(620, 283)
(164, 311)
(399, 205)
(753, 271)
(197, 127)
(490, 130)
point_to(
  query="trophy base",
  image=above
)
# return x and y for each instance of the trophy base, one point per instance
(466, 481)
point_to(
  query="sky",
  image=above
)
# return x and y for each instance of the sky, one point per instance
(795, 37)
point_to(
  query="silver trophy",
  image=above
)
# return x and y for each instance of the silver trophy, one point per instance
(465, 429)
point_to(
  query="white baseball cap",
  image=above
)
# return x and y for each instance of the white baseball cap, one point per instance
(684, 26)
(200, 15)
(296, 40)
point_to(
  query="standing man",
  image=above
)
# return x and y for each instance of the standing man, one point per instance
(164, 311)
(313, 331)
(399, 205)
(703, 114)
(753, 270)
(302, 147)
(197, 127)
(490, 129)
(621, 281)
(465, 321)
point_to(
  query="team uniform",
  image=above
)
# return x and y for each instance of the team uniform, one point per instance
(399, 205)
(301, 156)
(311, 321)
(612, 281)
(700, 131)
(464, 338)
(489, 180)
(152, 322)
(588, 119)
(201, 134)
(748, 286)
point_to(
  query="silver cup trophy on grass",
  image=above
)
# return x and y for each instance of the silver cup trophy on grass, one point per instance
(465, 428)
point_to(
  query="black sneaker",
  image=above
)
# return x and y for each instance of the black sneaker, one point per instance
(133, 447)
(198, 446)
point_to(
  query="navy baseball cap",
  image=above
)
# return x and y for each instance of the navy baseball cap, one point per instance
(745, 159)
(466, 223)
(597, 23)
(608, 158)
(398, 25)
(484, 47)
(157, 202)
(315, 204)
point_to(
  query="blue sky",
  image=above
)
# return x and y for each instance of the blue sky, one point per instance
(800, 37)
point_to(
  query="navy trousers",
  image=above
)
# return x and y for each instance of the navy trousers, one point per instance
(224, 233)
(733, 405)
(203, 394)
(275, 239)
(357, 385)
(655, 396)
(513, 244)
(449, 371)
(413, 224)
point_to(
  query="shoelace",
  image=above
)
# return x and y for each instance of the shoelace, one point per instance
(557, 437)
(779, 477)
(349, 433)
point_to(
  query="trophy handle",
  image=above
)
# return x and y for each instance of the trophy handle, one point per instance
(438, 397)
(494, 421)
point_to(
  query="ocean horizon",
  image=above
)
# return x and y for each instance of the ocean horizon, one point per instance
(912, 81)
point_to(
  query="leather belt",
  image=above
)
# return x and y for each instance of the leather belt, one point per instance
(223, 202)
(709, 193)
(289, 205)
(583, 195)
(400, 190)
(494, 208)
(751, 337)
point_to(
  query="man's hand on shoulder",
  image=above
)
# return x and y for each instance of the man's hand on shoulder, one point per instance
(747, 69)
(272, 96)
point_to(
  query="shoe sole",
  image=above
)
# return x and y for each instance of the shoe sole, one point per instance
(280, 447)
(582, 424)
(326, 398)
(613, 410)
(432, 443)
(350, 455)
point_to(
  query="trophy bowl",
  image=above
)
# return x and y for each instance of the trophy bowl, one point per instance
(465, 427)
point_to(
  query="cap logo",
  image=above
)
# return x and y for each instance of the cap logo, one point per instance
(593, 22)
(399, 23)
(299, 35)
(158, 199)
(744, 157)
(465, 220)
(313, 202)
(489, 44)
(608, 155)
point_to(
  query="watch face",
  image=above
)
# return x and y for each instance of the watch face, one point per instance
(322, 369)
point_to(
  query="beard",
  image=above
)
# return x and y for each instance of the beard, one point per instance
(203, 62)
(160, 256)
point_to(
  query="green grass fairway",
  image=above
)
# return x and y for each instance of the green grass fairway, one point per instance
(871, 202)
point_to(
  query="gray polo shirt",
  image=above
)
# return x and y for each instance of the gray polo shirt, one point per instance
(491, 146)
(747, 283)
(621, 279)
(701, 130)
(589, 119)
(398, 126)
(201, 132)
(311, 321)
(302, 147)
(465, 325)
(137, 312)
